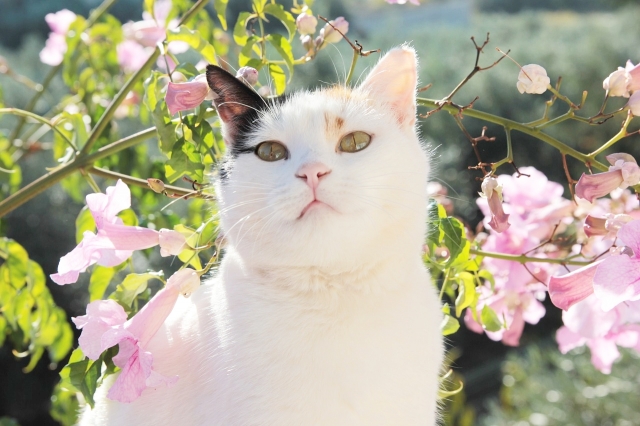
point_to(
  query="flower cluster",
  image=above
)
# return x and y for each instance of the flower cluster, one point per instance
(306, 24)
(623, 172)
(534, 207)
(625, 82)
(56, 45)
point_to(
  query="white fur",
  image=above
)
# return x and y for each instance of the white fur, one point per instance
(325, 319)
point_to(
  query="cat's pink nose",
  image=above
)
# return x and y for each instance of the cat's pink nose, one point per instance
(312, 172)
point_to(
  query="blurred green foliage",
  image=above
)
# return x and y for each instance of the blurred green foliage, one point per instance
(542, 387)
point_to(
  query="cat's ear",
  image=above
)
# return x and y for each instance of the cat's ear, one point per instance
(393, 81)
(237, 104)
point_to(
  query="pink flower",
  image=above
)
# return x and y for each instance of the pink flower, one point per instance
(492, 191)
(105, 325)
(306, 24)
(617, 83)
(602, 331)
(248, 75)
(184, 96)
(132, 56)
(634, 103)
(617, 279)
(114, 242)
(153, 29)
(330, 35)
(56, 45)
(533, 79)
(416, 2)
(634, 75)
(623, 172)
(569, 289)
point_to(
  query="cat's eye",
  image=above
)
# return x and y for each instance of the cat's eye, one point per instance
(272, 151)
(355, 141)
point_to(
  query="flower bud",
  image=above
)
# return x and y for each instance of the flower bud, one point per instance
(307, 42)
(330, 35)
(247, 75)
(492, 191)
(617, 82)
(156, 185)
(595, 226)
(306, 24)
(184, 96)
(533, 79)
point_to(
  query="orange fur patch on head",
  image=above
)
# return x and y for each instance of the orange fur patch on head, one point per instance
(332, 125)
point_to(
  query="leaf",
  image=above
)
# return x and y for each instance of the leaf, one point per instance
(100, 278)
(454, 238)
(284, 49)
(279, 79)
(63, 343)
(245, 53)
(449, 325)
(83, 375)
(285, 17)
(84, 222)
(185, 160)
(486, 275)
(221, 8)
(64, 405)
(435, 212)
(159, 112)
(3, 328)
(132, 286)
(195, 40)
(467, 295)
(149, 7)
(240, 29)
(490, 320)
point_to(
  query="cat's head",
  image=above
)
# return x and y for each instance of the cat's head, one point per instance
(329, 178)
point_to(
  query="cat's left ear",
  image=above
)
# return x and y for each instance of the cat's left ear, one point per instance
(393, 81)
(237, 104)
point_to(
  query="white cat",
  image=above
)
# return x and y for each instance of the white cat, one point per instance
(322, 312)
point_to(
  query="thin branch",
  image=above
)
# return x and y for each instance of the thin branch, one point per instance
(520, 258)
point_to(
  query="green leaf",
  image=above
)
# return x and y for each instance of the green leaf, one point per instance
(435, 212)
(279, 78)
(64, 405)
(486, 275)
(10, 173)
(100, 278)
(245, 53)
(240, 29)
(159, 112)
(3, 330)
(185, 160)
(284, 49)
(84, 375)
(449, 325)
(490, 320)
(148, 7)
(132, 286)
(467, 295)
(63, 342)
(285, 17)
(454, 238)
(195, 40)
(221, 8)
(84, 222)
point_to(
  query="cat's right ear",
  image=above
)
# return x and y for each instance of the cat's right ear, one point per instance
(237, 104)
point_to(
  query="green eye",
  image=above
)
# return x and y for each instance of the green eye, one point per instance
(271, 151)
(354, 142)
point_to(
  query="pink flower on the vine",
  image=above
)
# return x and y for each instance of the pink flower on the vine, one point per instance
(586, 323)
(114, 242)
(329, 35)
(492, 191)
(105, 325)
(569, 289)
(533, 79)
(617, 83)
(56, 45)
(188, 95)
(623, 172)
(634, 103)
(306, 24)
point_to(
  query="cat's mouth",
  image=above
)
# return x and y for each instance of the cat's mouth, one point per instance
(314, 205)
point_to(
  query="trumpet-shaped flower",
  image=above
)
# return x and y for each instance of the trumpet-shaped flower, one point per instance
(623, 172)
(184, 96)
(533, 79)
(329, 35)
(56, 45)
(492, 191)
(306, 24)
(114, 242)
(105, 325)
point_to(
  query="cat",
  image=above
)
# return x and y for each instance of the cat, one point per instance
(322, 311)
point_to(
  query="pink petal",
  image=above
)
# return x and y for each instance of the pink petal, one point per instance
(629, 234)
(136, 367)
(590, 187)
(613, 158)
(132, 56)
(184, 96)
(108, 311)
(60, 21)
(148, 321)
(54, 50)
(587, 318)
(595, 226)
(101, 317)
(171, 242)
(471, 323)
(78, 260)
(90, 340)
(105, 207)
(603, 354)
(634, 73)
(511, 336)
(617, 280)
(568, 340)
(124, 237)
(499, 220)
(534, 311)
(569, 289)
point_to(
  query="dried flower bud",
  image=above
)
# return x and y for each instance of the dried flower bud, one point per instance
(248, 75)
(156, 185)
(330, 35)
(533, 79)
(306, 24)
